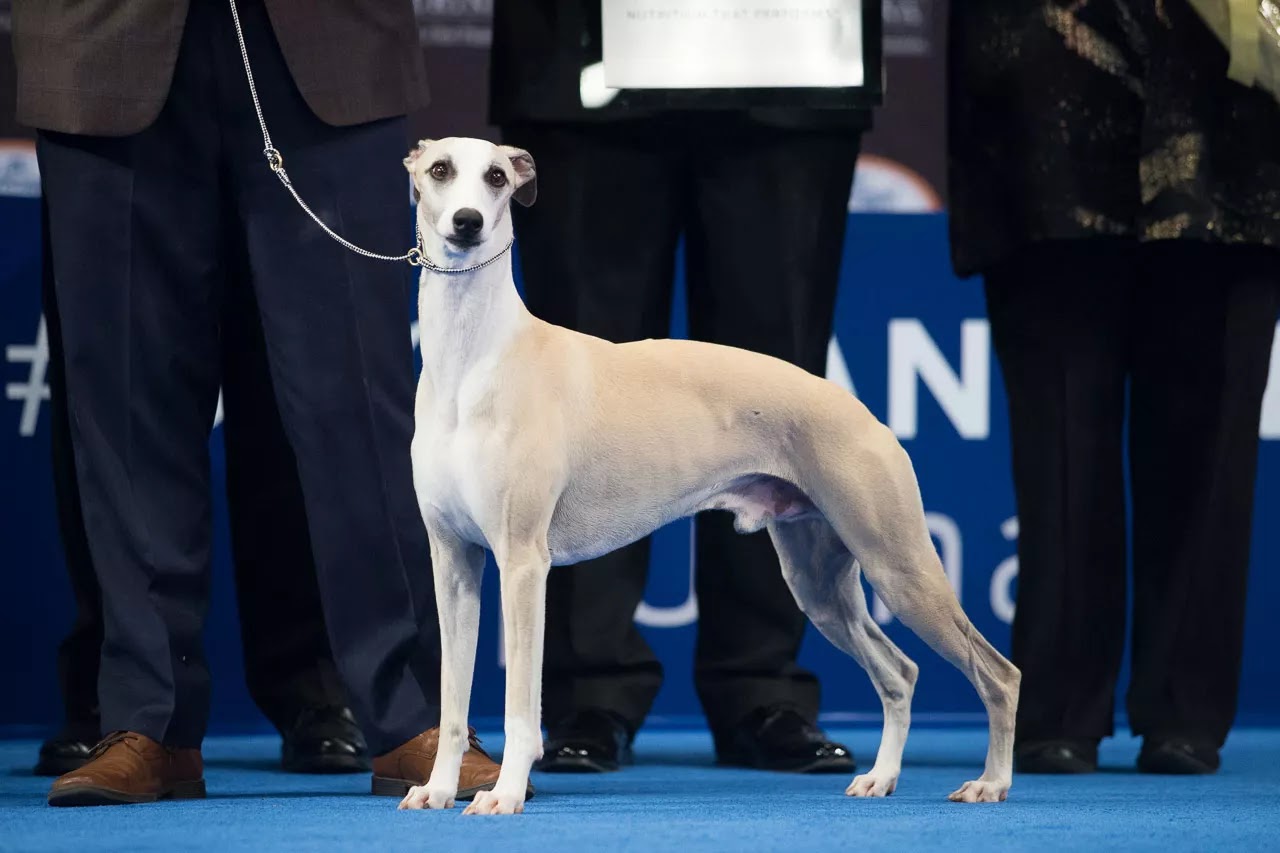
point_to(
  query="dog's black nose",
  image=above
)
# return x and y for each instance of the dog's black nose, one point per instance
(467, 222)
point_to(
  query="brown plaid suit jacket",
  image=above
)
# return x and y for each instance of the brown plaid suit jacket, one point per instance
(103, 67)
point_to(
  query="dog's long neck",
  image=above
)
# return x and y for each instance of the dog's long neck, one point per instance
(466, 319)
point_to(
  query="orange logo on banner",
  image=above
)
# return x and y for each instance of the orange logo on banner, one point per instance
(881, 185)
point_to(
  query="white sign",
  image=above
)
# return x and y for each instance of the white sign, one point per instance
(732, 44)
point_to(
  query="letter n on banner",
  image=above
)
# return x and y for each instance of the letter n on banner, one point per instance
(966, 399)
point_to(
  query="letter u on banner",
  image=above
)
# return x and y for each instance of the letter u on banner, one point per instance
(684, 613)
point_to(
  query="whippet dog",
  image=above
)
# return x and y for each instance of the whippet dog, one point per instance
(550, 447)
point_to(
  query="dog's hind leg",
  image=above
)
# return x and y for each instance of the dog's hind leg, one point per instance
(884, 525)
(457, 568)
(917, 592)
(824, 578)
(915, 588)
(868, 492)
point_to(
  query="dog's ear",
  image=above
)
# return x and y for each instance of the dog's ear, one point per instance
(526, 175)
(416, 153)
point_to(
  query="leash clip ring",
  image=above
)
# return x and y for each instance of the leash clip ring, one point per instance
(274, 159)
(414, 256)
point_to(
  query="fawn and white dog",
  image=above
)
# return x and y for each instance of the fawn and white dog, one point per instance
(549, 447)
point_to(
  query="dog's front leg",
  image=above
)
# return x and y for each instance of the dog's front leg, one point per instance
(457, 567)
(523, 570)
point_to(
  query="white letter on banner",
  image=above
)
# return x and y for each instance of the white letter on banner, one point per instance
(1270, 427)
(33, 392)
(1002, 603)
(838, 368)
(965, 399)
(685, 613)
(947, 532)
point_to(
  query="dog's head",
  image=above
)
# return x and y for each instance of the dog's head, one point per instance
(464, 186)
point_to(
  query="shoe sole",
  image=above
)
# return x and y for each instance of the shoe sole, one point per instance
(820, 765)
(386, 786)
(1051, 767)
(577, 765)
(1174, 765)
(90, 795)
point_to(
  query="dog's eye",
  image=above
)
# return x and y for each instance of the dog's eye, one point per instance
(440, 171)
(496, 177)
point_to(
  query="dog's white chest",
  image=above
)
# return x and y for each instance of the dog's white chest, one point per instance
(448, 467)
(444, 476)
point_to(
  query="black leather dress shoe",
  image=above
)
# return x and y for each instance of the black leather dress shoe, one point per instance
(324, 740)
(67, 750)
(781, 739)
(1064, 755)
(589, 741)
(1178, 756)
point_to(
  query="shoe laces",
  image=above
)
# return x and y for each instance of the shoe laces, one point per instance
(109, 741)
(474, 740)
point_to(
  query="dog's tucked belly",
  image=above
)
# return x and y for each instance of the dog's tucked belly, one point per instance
(583, 529)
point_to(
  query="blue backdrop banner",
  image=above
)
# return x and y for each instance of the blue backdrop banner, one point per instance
(911, 341)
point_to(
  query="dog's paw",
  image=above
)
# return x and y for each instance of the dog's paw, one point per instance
(492, 802)
(981, 792)
(872, 785)
(421, 797)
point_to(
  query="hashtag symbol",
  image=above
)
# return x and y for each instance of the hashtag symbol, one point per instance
(35, 390)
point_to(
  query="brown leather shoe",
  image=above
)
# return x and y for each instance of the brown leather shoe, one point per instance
(126, 767)
(410, 764)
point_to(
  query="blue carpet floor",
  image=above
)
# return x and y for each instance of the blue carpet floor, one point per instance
(675, 799)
